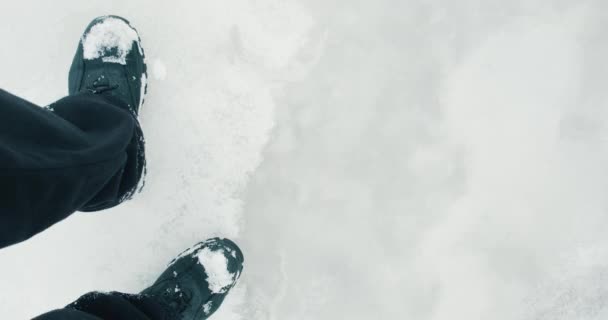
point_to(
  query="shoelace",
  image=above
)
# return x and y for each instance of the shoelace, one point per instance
(97, 88)
(178, 301)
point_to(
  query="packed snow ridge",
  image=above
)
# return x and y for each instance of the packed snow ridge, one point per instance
(109, 34)
(216, 268)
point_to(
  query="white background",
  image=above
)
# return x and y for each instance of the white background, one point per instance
(386, 159)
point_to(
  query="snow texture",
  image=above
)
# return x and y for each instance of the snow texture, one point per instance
(207, 307)
(142, 94)
(159, 70)
(388, 159)
(111, 33)
(216, 269)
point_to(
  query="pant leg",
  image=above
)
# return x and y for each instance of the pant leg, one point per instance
(85, 155)
(111, 306)
(67, 314)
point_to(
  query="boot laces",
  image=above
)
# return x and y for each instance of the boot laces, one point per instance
(178, 301)
(101, 88)
(101, 85)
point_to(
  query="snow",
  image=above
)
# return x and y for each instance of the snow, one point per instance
(384, 159)
(144, 84)
(216, 269)
(207, 307)
(109, 34)
(159, 70)
(206, 127)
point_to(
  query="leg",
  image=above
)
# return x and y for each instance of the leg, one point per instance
(87, 153)
(84, 155)
(111, 306)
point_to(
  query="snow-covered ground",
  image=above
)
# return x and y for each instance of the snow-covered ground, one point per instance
(386, 159)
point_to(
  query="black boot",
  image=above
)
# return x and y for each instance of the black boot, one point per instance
(110, 60)
(197, 281)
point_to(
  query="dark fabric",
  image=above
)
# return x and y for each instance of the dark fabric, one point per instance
(111, 306)
(81, 156)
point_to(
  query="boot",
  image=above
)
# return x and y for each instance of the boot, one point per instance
(110, 60)
(195, 283)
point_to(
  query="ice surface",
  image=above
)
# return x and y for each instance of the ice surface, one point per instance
(390, 159)
(111, 33)
(216, 268)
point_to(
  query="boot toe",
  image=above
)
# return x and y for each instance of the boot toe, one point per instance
(111, 39)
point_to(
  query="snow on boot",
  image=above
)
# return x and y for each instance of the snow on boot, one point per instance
(110, 60)
(197, 281)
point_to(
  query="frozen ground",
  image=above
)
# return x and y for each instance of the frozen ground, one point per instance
(406, 159)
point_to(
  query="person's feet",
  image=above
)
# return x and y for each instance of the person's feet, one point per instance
(197, 281)
(110, 60)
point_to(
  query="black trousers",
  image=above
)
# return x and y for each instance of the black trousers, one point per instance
(82, 153)
(111, 306)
